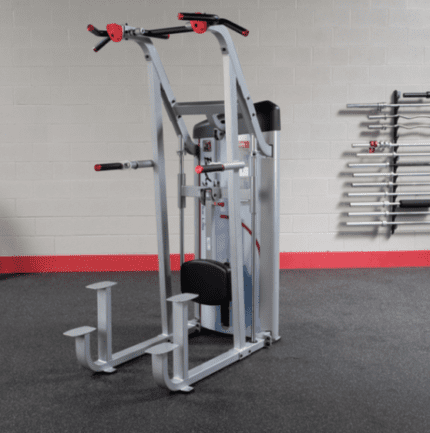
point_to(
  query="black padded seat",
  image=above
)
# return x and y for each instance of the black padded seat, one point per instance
(209, 279)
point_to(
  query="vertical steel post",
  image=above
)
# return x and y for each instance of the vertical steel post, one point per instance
(181, 198)
(235, 225)
(276, 234)
(160, 198)
(180, 337)
(254, 236)
(197, 231)
(104, 324)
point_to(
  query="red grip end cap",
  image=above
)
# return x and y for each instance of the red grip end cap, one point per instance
(97, 167)
(245, 33)
(115, 32)
(199, 169)
(199, 27)
(180, 16)
(90, 27)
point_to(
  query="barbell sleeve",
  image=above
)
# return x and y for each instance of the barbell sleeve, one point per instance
(386, 223)
(393, 116)
(390, 164)
(417, 95)
(389, 174)
(384, 105)
(384, 194)
(360, 185)
(124, 165)
(380, 155)
(406, 204)
(386, 213)
(384, 127)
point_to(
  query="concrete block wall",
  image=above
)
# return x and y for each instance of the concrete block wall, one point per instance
(64, 108)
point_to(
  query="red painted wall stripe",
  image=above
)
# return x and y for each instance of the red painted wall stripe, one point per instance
(147, 262)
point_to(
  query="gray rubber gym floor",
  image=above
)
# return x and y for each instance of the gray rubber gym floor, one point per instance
(354, 357)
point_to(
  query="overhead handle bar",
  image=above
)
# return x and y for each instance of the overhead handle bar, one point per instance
(115, 32)
(198, 23)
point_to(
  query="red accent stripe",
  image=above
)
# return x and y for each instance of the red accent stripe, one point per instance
(355, 260)
(247, 229)
(149, 262)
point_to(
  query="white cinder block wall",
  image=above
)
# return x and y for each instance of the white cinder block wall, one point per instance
(64, 108)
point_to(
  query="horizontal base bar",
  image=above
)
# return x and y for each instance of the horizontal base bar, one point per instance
(218, 363)
(139, 349)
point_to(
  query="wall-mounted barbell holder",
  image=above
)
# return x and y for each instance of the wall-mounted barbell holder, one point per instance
(393, 156)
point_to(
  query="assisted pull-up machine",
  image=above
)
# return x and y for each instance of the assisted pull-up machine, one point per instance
(233, 281)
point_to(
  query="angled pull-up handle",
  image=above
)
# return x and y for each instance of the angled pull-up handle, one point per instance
(200, 22)
(116, 32)
(101, 33)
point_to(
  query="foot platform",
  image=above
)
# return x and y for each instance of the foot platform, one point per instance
(182, 377)
(106, 359)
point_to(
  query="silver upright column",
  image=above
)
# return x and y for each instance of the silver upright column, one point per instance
(253, 169)
(160, 199)
(181, 199)
(235, 225)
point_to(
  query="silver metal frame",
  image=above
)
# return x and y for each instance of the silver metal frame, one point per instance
(175, 323)
(235, 90)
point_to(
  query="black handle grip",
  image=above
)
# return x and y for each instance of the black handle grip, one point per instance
(209, 168)
(211, 20)
(110, 166)
(153, 34)
(187, 16)
(414, 203)
(164, 33)
(234, 27)
(97, 32)
(100, 45)
(417, 95)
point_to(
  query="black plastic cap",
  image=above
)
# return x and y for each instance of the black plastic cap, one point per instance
(268, 115)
